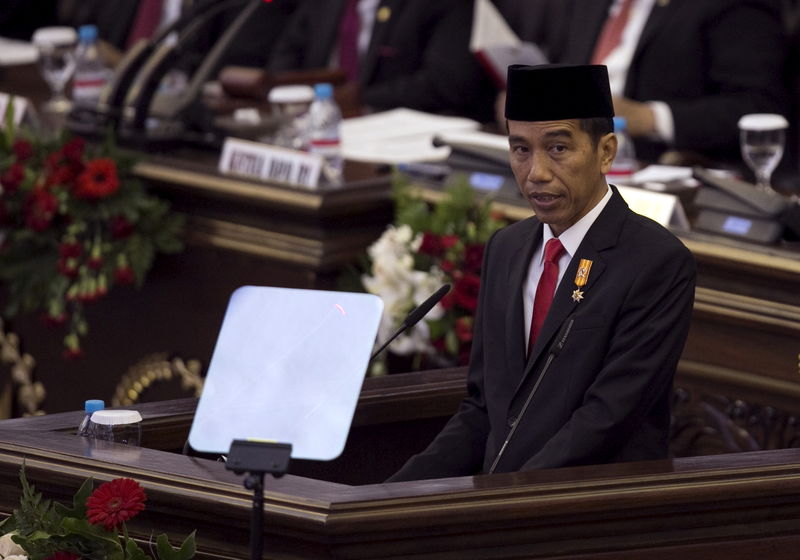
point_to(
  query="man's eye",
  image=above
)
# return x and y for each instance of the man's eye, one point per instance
(558, 148)
(519, 149)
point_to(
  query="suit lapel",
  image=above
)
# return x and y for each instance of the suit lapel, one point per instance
(386, 12)
(601, 236)
(515, 320)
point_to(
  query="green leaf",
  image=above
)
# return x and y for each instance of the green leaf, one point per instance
(78, 509)
(95, 532)
(133, 551)
(167, 552)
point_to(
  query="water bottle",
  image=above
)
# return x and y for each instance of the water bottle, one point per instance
(325, 121)
(91, 73)
(91, 406)
(624, 165)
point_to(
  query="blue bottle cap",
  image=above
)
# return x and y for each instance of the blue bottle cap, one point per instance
(620, 123)
(87, 33)
(93, 405)
(323, 91)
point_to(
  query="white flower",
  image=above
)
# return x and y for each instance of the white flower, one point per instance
(9, 549)
(401, 288)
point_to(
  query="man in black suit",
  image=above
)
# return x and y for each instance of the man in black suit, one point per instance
(416, 55)
(706, 64)
(625, 288)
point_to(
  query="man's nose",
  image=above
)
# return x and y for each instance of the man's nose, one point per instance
(540, 168)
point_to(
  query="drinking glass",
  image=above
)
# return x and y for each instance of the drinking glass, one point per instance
(761, 138)
(56, 47)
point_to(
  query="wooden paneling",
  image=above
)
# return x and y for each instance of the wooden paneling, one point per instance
(721, 507)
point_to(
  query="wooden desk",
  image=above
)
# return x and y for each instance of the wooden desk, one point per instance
(725, 507)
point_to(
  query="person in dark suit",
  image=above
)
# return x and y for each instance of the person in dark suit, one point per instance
(417, 54)
(707, 63)
(621, 309)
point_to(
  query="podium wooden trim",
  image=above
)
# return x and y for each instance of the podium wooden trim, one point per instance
(726, 506)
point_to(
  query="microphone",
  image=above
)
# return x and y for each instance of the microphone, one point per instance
(555, 350)
(414, 317)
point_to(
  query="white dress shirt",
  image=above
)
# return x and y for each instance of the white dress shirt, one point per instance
(619, 60)
(571, 239)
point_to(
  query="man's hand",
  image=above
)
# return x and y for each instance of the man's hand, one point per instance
(640, 118)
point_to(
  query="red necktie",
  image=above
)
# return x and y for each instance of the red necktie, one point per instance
(148, 16)
(545, 289)
(611, 36)
(348, 40)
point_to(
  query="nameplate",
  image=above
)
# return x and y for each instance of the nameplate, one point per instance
(269, 163)
(19, 106)
(666, 209)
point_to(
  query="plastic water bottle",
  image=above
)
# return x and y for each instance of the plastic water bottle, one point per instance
(91, 406)
(91, 73)
(325, 120)
(625, 164)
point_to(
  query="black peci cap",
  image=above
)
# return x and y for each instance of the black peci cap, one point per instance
(552, 92)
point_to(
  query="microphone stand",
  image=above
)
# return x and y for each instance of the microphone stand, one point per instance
(257, 458)
(555, 349)
(414, 316)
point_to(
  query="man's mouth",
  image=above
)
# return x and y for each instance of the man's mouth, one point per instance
(543, 198)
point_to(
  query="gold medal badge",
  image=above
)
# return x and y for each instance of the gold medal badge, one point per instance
(581, 277)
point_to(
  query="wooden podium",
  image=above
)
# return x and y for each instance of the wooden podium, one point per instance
(738, 506)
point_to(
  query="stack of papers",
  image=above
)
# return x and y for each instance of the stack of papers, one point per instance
(14, 52)
(399, 136)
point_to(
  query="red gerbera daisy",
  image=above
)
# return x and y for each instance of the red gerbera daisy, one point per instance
(98, 180)
(115, 502)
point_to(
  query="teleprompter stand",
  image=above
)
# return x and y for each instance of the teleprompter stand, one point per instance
(257, 458)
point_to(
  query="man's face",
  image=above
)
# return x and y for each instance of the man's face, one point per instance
(559, 169)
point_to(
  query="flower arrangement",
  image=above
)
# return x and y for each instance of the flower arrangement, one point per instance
(428, 245)
(42, 530)
(73, 224)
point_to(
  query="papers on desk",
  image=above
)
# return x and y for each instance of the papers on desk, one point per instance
(13, 52)
(496, 45)
(399, 136)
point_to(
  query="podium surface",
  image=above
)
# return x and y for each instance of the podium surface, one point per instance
(726, 506)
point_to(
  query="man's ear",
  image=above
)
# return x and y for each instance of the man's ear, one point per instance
(607, 149)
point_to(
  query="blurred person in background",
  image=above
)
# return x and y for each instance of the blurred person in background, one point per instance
(395, 53)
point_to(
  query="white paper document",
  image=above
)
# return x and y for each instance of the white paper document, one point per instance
(399, 136)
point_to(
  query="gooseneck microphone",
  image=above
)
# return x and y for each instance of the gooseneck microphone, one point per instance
(555, 349)
(414, 316)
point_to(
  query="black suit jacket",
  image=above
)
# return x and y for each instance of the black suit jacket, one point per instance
(606, 396)
(418, 56)
(711, 61)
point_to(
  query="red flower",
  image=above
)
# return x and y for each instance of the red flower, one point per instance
(64, 174)
(124, 275)
(12, 177)
(431, 244)
(449, 241)
(115, 502)
(473, 257)
(63, 555)
(120, 227)
(72, 353)
(70, 249)
(54, 320)
(23, 150)
(73, 149)
(465, 292)
(67, 267)
(40, 208)
(98, 180)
